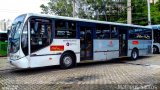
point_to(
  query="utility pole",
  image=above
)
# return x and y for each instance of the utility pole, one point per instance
(149, 12)
(149, 21)
(74, 12)
(129, 12)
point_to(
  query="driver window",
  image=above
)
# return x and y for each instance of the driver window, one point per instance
(24, 40)
(40, 33)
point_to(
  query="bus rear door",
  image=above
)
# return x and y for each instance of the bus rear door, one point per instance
(86, 43)
(123, 41)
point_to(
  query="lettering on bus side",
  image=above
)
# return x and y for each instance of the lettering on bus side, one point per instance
(57, 48)
(69, 40)
(135, 42)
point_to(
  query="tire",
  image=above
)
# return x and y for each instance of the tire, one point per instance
(67, 61)
(134, 54)
(155, 50)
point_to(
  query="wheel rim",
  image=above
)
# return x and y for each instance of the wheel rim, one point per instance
(134, 54)
(67, 61)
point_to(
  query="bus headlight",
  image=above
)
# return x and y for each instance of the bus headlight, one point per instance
(14, 57)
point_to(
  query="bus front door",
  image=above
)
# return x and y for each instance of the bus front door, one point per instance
(86, 43)
(123, 43)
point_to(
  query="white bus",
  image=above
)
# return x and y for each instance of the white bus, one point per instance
(41, 40)
(156, 38)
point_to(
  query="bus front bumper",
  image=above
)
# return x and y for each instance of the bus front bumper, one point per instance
(20, 63)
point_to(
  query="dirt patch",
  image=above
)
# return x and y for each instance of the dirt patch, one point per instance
(77, 79)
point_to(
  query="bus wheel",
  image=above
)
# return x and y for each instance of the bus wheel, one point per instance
(66, 61)
(155, 50)
(134, 54)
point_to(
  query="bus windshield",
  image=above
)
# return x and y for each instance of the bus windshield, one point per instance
(14, 37)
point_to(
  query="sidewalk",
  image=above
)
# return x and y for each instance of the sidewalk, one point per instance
(4, 64)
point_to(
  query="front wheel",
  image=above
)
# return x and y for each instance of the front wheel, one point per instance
(134, 54)
(155, 50)
(67, 61)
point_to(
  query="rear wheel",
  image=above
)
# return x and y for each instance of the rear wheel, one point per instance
(134, 54)
(67, 61)
(155, 50)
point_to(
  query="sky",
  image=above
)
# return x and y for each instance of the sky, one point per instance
(10, 9)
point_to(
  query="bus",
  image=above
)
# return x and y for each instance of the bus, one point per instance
(156, 38)
(3, 43)
(38, 40)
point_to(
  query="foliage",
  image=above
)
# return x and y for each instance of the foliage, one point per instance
(139, 12)
(58, 7)
(105, 10)
(155, 13)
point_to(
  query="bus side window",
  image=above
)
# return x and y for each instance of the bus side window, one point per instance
(103, 32)
(41, 35)
(156, 36)
(147, 34)
(114, 32)
(65, 29)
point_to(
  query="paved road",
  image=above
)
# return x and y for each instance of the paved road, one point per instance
(143, 73)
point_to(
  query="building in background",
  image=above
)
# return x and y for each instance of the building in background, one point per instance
(5, 24)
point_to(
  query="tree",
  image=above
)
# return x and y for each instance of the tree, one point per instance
(155, 13)
(139, 12)
(45, 9)
(158, 5)
(105, 10)
(58, 7)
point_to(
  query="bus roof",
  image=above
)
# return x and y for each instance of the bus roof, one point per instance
(85, 20)
(154, 27)
(3, 31)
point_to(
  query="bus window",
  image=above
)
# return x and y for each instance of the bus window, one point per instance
(139, 33)
(103, 32)
(156, 36)
(114, 32)
(131, 33)
(65, 29)
(135, 33)
(24, 40)
(40, 33)
(147, 34)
